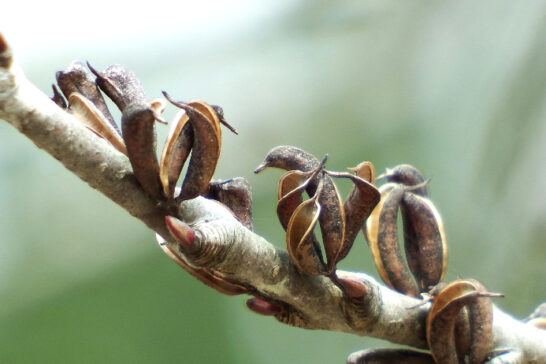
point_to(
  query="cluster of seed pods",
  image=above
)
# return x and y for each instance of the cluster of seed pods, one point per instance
(194, 133)
(339, 221)
(459, 323)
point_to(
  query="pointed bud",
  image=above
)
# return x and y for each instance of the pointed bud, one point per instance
(262, 307)
(180, 230)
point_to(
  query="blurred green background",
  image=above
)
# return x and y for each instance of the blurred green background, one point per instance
(456, 88)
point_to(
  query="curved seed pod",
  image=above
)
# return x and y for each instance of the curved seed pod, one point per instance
(424, 240)
(382, 235)
(237, 195)
(299, 244)
(137, 122)
(359, 204)
(90, 116)
(216, 282)
(205, 152)
(389, 356)
(175, 152)
(290, 190)
(407, 175)
(446, 312)
(332, 216)
(120, 85)
(76, 78)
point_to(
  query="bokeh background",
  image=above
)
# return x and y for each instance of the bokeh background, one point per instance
(456, 88)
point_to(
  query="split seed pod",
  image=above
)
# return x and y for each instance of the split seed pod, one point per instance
(175, 152)
(446, 313)
(299, 240)
(332, 215)
(407, 175)
(77, 78)
(424, 240)
(86, 112)
(137, 122)
(207, 139)
(359, 204)
(382, 235)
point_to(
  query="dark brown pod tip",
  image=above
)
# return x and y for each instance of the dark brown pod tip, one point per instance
(120, 85)
(77, 78)
(137, 123)
(236, 194)
(407, 175)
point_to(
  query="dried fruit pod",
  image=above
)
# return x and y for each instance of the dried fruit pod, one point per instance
(77, 78)
(175, 152)
(212, 279)
(446, 312)
(389, 356)
(332, 216)
(207, 139)
(236, 195)
(407, 175)
(382, 235)
(299, 243)
(424, 240)
(86, 112)
(359, 204)
(137, 123)
(120, 85)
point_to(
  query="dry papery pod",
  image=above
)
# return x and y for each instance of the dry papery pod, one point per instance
(205, 147)
(389, 356)
(407, 175)
(382, 236)
(331, 218)
(78, 79)
(425, 243)
(464, 303)
(359, 204)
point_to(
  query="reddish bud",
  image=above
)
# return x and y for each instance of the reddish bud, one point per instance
(180, 230)
(262, 307)
(353, 287)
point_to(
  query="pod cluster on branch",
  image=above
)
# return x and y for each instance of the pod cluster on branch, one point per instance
(338, 221)
(194, 134)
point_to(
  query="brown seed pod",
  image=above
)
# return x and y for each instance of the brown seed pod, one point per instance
(424, 240)
(236, 194)
(77, 78)
(299, 243)
(331, 219)
(382, 235)
(445, 314)
(407, 175)
(389, 356)
(175, 152)
(359, 204)
(120, 85)
(211, 279)
(86, 112)
(137, 123)
(205, 153)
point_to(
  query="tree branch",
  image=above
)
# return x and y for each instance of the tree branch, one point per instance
(224, 245)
